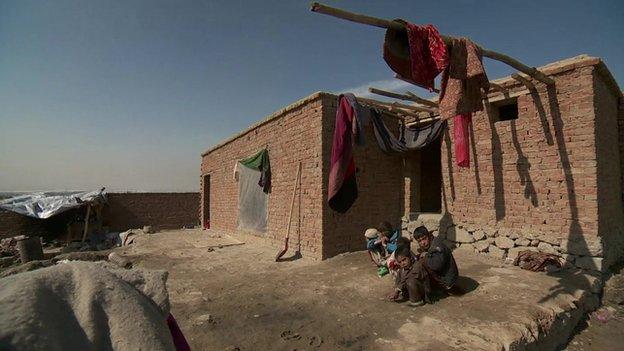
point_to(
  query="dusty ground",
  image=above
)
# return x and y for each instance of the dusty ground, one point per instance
(238, 297)
(602, 330)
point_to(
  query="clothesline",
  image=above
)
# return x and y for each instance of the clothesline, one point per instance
(383, 23)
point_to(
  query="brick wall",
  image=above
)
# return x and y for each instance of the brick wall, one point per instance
(608, 144)
(160, 210)
(124, 211)
(13, 224)
(292, 135)
(537, 175)
(381, 191)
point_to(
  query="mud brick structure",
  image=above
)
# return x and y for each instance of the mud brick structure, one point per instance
(545, 174)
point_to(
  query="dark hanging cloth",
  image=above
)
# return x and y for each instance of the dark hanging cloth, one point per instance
(463, 80)
(351, 118)
(388, 143)
(362, 117)
(342, 188)
(417, 137)
(417, 53)
(260, 162)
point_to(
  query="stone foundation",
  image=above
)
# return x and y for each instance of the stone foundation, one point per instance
(505, 244)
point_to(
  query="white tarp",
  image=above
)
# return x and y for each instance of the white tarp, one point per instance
(252, 201)
(46, 205)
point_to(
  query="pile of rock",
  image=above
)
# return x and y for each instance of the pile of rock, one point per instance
(503, 243)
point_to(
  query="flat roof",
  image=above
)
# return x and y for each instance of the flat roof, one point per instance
(507, 82)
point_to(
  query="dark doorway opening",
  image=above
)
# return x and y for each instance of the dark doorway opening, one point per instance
(206, 202)
(431, 178)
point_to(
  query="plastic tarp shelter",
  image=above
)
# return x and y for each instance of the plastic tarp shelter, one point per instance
(46, 204)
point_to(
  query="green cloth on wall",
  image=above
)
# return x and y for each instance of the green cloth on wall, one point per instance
(260, 162)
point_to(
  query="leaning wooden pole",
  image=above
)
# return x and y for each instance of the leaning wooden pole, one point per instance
(382, 23)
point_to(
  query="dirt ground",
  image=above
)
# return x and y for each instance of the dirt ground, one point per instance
(238, 298)
(602, 329)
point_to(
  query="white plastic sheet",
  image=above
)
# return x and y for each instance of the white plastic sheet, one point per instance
(252, 201)
(46, 205)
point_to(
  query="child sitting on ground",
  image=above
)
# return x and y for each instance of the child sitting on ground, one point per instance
(389, 236)
(409, 280)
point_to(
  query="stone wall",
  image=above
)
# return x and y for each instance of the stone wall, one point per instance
(292, 135)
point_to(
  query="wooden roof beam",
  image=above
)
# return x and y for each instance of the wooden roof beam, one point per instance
(407, 96)
(523, 80)
(410, 108)
(383, 23)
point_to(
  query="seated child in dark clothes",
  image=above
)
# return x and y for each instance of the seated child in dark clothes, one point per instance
(433, 267)
(410, 280)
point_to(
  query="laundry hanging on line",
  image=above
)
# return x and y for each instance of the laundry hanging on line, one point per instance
(342, 186)
(417, 137)
(260, 162)
(417, 53)
(462, 84)
(463, 80)
(351, 119)
(461, 139)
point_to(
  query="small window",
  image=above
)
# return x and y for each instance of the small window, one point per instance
(506, 110)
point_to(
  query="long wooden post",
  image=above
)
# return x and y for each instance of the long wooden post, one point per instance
(407, 96)
(383, 23)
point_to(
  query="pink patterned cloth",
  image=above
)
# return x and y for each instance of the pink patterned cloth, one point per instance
(461, 137)
(417, 54)
(428, 56)
(463, 80)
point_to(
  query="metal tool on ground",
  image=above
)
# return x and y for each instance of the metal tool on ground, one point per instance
(292, 205)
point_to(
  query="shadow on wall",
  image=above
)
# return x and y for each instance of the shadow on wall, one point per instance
(575, 232)
(497, 167)
(549, 114)
(523, 166)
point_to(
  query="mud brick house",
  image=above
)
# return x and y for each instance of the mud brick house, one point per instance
(545, 173)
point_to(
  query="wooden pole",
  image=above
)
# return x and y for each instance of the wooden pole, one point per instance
(398, 105)
(407, 96)
(498, 87)
(424, 120)
(523, 80)
(421, 100)
(354, 17)
(86, 226)
(382, 23)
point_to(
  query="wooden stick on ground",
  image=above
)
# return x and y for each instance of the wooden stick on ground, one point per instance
(407, 96)
(382, 23)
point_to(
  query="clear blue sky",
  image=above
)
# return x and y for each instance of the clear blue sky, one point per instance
(127, 94)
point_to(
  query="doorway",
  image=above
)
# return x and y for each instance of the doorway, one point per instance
(206, 202)
(431, 178)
